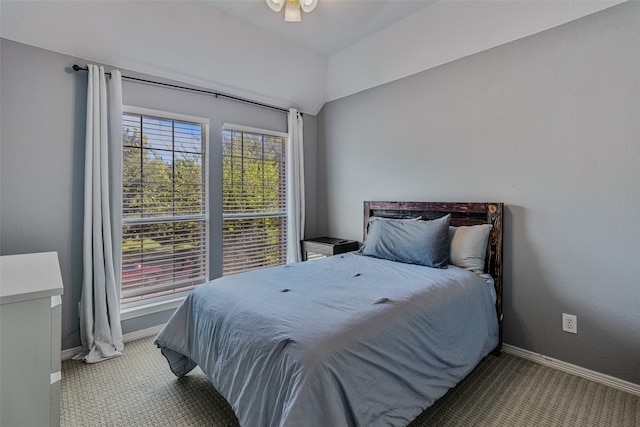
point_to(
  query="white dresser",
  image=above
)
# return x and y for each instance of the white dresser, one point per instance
(30, 338)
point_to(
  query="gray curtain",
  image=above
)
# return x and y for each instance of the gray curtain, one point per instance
(100, 329)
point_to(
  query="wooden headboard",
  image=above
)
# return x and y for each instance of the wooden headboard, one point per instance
(462, 213)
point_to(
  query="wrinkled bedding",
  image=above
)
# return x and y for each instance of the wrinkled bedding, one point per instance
(347, 340)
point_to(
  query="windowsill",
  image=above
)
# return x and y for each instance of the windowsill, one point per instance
(157, 305)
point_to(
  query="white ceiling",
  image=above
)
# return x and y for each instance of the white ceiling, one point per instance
(332, 26)
(242, 48)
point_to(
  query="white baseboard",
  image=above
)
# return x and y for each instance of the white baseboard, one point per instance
(573, 369)
(131, 336)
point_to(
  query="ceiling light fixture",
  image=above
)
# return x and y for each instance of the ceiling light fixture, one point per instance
(292, 10)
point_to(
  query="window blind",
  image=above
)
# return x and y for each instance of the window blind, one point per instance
(164, 206)
(254, 200)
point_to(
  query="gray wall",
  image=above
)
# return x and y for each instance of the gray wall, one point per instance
(550, 125)
(43, 108)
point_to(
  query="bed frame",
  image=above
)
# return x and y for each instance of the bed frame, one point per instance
(462, 213)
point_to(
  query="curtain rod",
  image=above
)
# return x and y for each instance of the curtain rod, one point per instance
(216, 94)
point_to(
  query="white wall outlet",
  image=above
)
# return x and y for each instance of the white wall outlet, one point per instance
(569, 323)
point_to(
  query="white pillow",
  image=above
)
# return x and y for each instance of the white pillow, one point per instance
(469, 246)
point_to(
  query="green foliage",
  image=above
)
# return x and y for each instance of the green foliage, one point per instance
(160, 182)
(253, 183)
(253, 173)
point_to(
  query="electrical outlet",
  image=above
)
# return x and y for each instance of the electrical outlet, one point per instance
(569, 323)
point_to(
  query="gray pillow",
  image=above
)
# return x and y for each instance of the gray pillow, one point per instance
(409, 241)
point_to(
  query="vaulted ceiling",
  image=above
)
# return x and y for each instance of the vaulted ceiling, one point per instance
(243, 48)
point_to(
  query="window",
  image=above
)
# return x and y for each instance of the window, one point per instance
(254, 194)
(164, 204)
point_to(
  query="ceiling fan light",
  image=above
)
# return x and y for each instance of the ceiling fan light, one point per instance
(308, 5)
(292, 12)
(275, 5)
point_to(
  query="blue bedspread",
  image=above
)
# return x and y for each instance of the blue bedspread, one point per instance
(347, 340)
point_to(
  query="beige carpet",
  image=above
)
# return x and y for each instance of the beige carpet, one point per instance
(138, 389)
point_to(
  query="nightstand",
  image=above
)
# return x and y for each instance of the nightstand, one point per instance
(321, 247)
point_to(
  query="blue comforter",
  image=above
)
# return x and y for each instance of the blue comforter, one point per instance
(347, 340)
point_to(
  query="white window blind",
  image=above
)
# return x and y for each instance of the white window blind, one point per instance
(254, 200)
(164, 205)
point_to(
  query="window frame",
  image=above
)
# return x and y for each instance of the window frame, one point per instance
(281, 214)
(153, 304)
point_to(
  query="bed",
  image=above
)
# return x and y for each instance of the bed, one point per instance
(350, 340)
